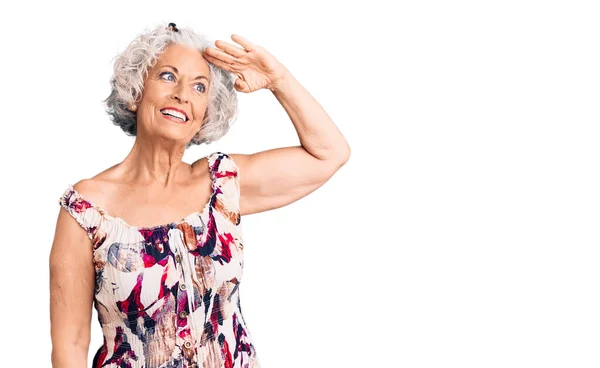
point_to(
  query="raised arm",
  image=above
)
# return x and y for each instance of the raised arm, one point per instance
(277, 177)
(280, 176)
(72, 279)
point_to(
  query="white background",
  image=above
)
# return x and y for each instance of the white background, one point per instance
(463, 231)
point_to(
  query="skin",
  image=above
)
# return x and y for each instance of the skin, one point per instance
(152, 185)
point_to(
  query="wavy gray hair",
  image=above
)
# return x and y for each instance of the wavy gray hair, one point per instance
(131, 69)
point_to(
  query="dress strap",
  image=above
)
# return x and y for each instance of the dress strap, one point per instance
(222, 167)
(86, 214)
(226, 181)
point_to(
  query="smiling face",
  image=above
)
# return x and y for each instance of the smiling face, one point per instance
(175, 94)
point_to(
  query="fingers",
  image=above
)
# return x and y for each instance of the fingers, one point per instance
(227, 56)
(230, 49)
(221, 55)
(218, 62)
(246, 44)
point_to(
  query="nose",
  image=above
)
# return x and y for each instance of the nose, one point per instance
(180, 93)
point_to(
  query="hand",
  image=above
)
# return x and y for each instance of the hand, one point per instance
(254, 66)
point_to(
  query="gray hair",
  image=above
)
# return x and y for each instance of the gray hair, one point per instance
(131, 69)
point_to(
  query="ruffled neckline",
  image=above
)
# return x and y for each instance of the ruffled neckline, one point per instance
(169, 225)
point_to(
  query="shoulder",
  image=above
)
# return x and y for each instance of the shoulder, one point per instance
(80, 208)
(95, 190)
(99, 186)
(82, 198)
(87, 186)
(220, 162)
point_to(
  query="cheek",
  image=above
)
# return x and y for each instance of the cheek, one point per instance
(154, 96)
(154, 93)
(200, 110)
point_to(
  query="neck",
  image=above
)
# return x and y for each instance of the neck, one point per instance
(155, 161)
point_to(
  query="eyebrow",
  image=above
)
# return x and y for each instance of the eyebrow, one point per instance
(177, 71)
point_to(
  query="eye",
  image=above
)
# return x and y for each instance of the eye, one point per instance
(168, 74)
(202, 89)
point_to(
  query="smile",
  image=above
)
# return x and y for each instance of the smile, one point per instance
(176, 115)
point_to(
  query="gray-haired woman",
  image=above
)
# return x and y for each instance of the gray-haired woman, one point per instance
(155, 243)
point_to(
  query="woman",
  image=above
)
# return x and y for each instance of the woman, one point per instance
(167, 295)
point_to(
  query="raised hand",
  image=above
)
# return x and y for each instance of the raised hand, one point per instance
(254, 66)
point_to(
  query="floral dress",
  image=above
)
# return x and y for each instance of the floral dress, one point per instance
(168, 295)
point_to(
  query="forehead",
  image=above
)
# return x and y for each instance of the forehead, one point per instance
(186, 60)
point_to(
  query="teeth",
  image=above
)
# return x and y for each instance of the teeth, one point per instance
(174, 113)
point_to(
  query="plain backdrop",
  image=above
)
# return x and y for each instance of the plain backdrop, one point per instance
(463, 231)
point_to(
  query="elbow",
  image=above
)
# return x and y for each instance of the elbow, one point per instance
(338, 156)
(344, 155)
(347, 154)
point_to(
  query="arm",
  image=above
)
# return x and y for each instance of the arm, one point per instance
(277, 177)
(72, 279)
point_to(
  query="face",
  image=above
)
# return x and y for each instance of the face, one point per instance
(175, 95)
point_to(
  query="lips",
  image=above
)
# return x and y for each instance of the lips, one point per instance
(173, 113)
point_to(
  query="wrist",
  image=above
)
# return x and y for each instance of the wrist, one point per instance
(281, 81)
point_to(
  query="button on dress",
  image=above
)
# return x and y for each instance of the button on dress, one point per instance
(168, 295)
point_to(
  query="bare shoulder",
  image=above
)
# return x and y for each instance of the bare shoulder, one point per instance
(96, 189)
(87, 186)
(100, 188)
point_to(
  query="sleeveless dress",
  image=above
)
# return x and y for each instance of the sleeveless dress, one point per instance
(168, 295)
